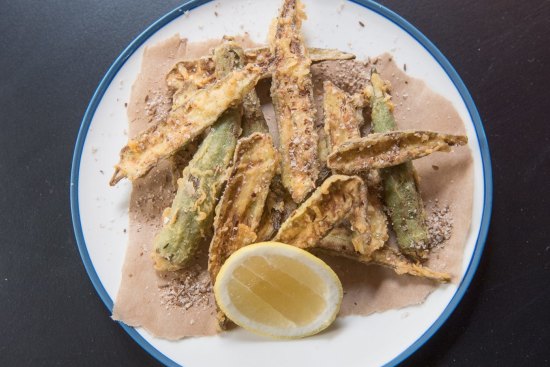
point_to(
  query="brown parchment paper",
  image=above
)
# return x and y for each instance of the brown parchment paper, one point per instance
(367, 289)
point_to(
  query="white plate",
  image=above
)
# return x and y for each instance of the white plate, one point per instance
(100, 212)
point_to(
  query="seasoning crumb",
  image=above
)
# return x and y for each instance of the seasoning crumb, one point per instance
(189, 289)
(435, 168)
(216, 13)
(349, 75)
(361, 24)
(124, 230)
(125, 104)
(101, 171)
(440, 225)
(157, 106)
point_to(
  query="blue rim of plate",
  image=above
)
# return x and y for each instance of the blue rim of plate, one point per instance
(371, 5)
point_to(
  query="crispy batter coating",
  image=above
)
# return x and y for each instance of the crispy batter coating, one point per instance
(315, 54)
(239, 211)
(253, 117)
(186, 78)
(292, 95)
(343, 115)
(393, 259)
(360, 226)
(201, 71)
(339, 197)
(278, 207)
(380, 150)
(338, 243)
(378, 223)
(185, 123)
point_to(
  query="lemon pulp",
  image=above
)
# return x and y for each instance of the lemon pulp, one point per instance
(278, 290)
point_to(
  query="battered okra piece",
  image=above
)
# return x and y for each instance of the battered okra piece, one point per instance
(188, 221)
(343, 115)
(381, 150)
(401, 194)
(185, 123)
(338, 198)
(406, 210)
(338, 243)
(292, 93)
(240, 209)
(381, 105)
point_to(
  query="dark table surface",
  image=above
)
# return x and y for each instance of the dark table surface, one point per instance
(54, 53)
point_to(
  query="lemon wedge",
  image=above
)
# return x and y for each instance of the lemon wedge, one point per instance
(278, 290)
